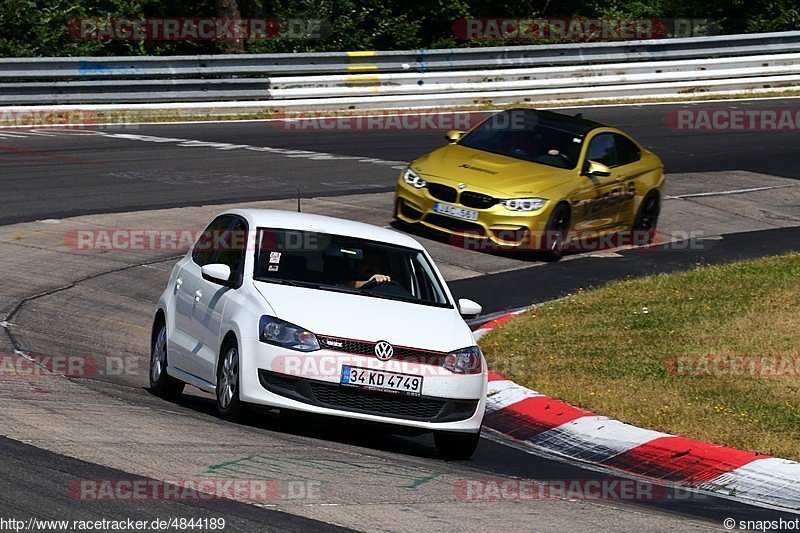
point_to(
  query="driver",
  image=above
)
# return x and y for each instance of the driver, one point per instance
(368, 269)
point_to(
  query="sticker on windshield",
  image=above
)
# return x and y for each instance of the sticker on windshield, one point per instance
(273, 268)
(275, 257)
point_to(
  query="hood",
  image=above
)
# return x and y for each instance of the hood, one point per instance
(499, 173)
(368, 318)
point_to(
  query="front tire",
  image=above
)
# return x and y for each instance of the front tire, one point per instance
(456, 446)
(161, 383)
(229, 406)
(556, 233)
(647, 217)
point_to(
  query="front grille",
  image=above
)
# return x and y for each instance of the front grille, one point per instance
(442, 192)
(476, 200)
(455, 224)
(368, 348)
(387, 404)
(333, 396)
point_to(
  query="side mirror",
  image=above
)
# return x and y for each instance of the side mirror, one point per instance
(217, 273)
(454, 135)
(593, 168)
(468, 308)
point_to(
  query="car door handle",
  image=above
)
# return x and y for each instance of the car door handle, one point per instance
(197, 296)
(178, 283)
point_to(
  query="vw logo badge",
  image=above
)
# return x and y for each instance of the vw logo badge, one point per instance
(462, 186)
(384, 351)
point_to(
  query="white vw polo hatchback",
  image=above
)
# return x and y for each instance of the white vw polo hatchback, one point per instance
(322, 315)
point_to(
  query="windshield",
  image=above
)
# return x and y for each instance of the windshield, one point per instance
(528, 137)
(346, 264)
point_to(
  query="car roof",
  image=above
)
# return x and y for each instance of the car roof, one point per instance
(278, 219)
(574, 124)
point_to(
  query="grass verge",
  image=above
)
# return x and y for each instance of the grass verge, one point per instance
(712, 353)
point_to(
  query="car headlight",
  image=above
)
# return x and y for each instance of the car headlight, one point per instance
(523, 204)
(464, 361)
(281, 333)
(413, 179)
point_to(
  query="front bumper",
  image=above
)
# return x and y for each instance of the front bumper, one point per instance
(286, 379)
(496, 226)
(366, 402)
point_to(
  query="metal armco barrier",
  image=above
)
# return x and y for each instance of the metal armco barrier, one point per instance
(718, 64)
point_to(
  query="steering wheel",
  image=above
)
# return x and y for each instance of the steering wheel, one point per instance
(373, 282)
(392, 287)
(561, 156)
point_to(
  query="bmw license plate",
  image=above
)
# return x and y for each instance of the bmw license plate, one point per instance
(367, 378)
(455, 211)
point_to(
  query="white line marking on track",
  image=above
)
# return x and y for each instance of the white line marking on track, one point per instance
(286, 152)
(156, 268)
(38, 133)
(723, 193)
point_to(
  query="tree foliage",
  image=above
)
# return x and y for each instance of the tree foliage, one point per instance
(39, 27)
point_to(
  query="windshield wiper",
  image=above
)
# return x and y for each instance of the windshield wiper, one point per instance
(293, 283)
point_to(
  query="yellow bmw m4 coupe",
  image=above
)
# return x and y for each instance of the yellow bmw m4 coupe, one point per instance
(528, 179)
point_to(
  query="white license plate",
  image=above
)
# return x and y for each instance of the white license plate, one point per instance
(367, 378)
(455, 211)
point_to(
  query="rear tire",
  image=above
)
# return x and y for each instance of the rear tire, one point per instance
(647, 216)
(161, 383)
(229, 406)
(456, 446)
(556, 233)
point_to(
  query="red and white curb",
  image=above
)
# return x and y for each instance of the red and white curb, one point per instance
(555, 427)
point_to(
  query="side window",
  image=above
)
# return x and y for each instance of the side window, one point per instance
(627, 151)
(206, 249)
(603, 149)
(232, 249)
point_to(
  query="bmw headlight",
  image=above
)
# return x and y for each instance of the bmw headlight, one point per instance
(281, 333)
(413, 179)
(523, 204)
(464, 361)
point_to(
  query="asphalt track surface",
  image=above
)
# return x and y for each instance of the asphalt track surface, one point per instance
(54, 174)
(507, 290)
(59, 175)
(37, 479)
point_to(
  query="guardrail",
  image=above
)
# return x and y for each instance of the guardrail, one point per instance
(660, 67)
